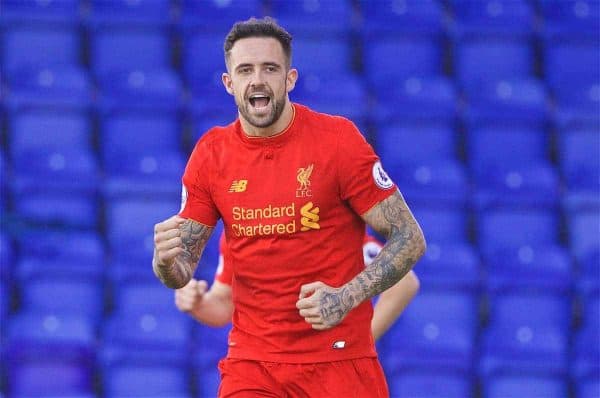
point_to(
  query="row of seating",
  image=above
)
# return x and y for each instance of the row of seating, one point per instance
(524, 335)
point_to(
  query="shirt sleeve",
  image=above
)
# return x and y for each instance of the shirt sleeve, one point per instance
(224, 272)
(196, 199)
(363, 181)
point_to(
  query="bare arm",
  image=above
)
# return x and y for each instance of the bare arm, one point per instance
(213, 307)
(392, 303)
(178, 245)
(327, 306)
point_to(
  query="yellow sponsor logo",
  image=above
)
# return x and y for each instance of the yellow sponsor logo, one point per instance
(310, 217)
(274, 220)
(238, 186)
(303, 178)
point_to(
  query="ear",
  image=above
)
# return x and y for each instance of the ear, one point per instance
(227, 83)
(292, 77)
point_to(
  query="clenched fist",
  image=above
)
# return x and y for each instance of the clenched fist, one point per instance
(189, 296)
(167, 240)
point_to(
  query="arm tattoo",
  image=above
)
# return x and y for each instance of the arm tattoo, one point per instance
(193, 238)
(405, 245)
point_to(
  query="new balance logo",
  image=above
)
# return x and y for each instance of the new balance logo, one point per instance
(310, 217)
(238, 186)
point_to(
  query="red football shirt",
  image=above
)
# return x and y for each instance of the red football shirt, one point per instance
(224, 274)
(291, 207)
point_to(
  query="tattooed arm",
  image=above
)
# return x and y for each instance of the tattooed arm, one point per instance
(178, 245)
(324, 307)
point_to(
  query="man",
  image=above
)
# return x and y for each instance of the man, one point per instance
(294, 189)
(215, 307)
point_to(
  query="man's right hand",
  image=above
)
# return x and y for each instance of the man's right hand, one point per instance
(190, 295)
(167, 240)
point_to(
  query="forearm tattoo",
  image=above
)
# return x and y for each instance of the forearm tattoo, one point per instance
(405, 245)
(193, 238)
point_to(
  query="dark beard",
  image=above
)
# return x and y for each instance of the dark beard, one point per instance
(274, 116)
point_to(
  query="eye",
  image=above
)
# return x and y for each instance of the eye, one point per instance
(271, 69)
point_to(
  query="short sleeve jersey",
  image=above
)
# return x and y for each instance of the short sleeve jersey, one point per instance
(291, 207)
(371, 248)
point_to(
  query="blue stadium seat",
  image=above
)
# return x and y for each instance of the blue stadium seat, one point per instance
(55, 170)
(450, 265)
(527, 333)
(420, 57)
(208, 380)
(140, 296)
(490, 145)
(118, 48)
(83, 256)
(585, 362)
(515, 228)
(5, 303)
(422, 99)
(589, 388)
(430, 384)
(49, 377)
(147, 338)
(578, 153)
(136, 165)
(489, 17)
(156, 381)
(441, 182)
(34, 265)
(516, 385)
(543, 268)
(130, 223)
(535, 184)
(218, 16)
(480, 58)
(441, 326)
(588, 276)
(577, 103)
(571, 18)
(44, 130)
(417, 17)
(203, 61)
(442, 224)
(571, 62)
(51, 209)
(7, 257)
(341, 94)
(50, 87)
(40, 11)
(584, 233)
(418, 142)
(322, 58)
(127, 132)
(517, 101)
(139, 12)
(25, 46)
(43, 291)
(210, 345)
(314, 17)
(145, 89)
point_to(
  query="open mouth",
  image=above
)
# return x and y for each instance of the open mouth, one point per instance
(259, 101)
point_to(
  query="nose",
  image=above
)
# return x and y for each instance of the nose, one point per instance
(257, 79)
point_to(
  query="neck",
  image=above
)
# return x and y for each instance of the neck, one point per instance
(281, 124)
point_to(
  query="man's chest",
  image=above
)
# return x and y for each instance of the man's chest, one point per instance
(275, 191)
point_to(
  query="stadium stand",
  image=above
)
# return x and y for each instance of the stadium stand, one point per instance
(486, 113)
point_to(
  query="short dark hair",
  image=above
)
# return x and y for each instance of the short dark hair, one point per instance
(264, 27)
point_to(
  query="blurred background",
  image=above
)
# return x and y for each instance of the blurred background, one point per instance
(486, 113)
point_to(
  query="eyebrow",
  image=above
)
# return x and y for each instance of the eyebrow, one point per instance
(275, 64)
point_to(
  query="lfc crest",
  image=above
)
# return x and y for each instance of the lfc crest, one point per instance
(303, 177)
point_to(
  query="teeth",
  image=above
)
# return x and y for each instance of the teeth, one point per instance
(254, 96)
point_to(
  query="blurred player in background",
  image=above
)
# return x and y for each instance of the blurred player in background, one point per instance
(214, 306)
(295, 189)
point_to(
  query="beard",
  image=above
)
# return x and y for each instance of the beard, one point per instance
(276, 106)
